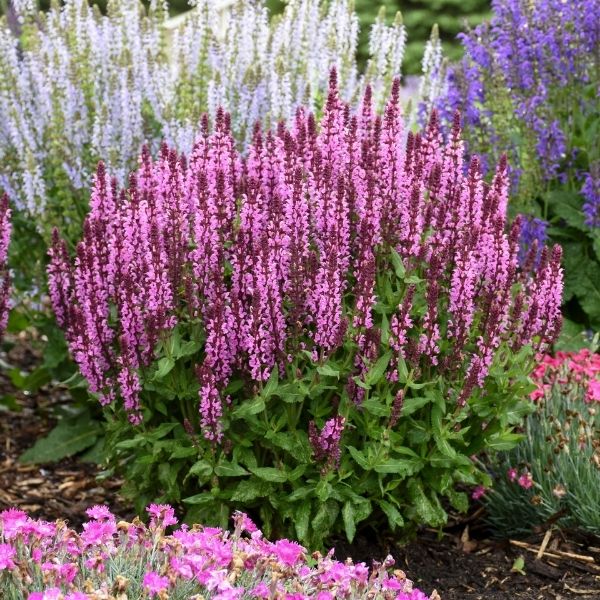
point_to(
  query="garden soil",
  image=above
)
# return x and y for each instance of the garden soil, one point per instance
(461, 564)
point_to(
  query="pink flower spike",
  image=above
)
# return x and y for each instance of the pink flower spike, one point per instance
(512, 474)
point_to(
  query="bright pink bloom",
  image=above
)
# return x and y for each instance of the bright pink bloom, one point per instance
(478, 492)
(289, 553)
(526, 481)
(155, 584)
(7, 553)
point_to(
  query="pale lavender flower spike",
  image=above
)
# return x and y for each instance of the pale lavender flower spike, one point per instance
(78, 86)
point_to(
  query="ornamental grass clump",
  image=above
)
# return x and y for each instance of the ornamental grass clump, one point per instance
(529, 85)
(554, 474)
(42, 560)
(321, 332)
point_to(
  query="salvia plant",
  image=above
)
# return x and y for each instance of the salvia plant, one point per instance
(529, 85)
(42, 560)
(322, 331)
(553, 476)
(77, 86)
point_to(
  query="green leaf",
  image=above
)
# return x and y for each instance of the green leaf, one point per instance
(203, 498)
(392, 513)
(378, 369)
(270, 474)
(9, 402)
(375, 407)
(398, 264)
(302, 520)
(328, 371)
(271, 385)
(325, 518)
(227, 469)
(504, 441)
(398, 466)
(412, 405)
(359, 457)
(66, 439)
(294, 442)
(425, 509)
(349, 523)
(184, 452)
(323, 490)
(186, 349)
(164, 367)
(459, 500)
(249, 408)
(202, 469)
(250, 489)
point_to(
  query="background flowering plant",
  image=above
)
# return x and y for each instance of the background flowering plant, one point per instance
(529, 85)
(49, 561)
(554, 474)
(78, 86)
(323, 331)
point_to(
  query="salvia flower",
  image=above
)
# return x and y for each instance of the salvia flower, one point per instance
(277, 256)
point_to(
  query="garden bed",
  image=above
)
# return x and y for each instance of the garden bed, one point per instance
(464, 564)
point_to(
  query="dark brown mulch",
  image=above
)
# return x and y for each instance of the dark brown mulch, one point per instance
(61, 490)
(461, 565)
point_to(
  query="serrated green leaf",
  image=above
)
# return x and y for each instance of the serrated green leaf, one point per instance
(325, 518)
(459, 500)
(378, 369)
(359, 457)
(302, 520)
(349, 524)
(397, 264)
(270, 474)
(375, 407)
(412, 405)
(187, 349)
(328, 371)
(271, 385)
(164, 367)
(250, 489)
(203, 498)
(184, 452)
(423, 505)
(323, 490)
(202, 469)
(66, 439)
(392, 513)
(249, 407)
(227, 469)
(398, 466)
(294, 442)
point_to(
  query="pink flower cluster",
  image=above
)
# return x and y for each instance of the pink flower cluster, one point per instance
(571, 371)
(525, 479)
(276, 253)
(50, 561)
